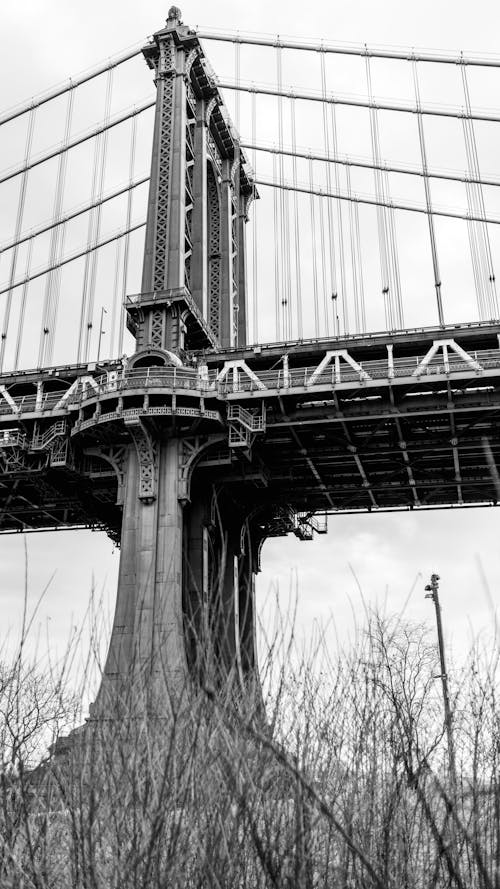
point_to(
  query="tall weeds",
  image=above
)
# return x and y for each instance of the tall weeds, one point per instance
(344, 783)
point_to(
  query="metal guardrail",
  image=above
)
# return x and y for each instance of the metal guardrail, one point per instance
(40, 442)
(12, 438)
(203, 382)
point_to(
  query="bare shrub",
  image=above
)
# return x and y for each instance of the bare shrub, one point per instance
(344, 784)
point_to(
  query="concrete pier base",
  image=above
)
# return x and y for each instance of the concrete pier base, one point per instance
(184, 617)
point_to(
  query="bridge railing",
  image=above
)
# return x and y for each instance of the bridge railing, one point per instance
(203, 381)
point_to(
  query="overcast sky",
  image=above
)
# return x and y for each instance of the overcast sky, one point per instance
(388, 557)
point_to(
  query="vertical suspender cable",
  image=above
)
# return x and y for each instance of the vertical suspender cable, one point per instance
(314, 257)
(255, 291)
(279, 205)
(87, 302)
(476, 192)
(237, 72)
(283, 205)
(277, 295)
(22, 309)
(57, 238)
(331, 236)
(326, 331)
(100, 190)
(476, 265)
(91, 228)
(354, 268)
(19, 223)
(116, 291)
(381, 219)
(475, 239)
(298, 268)
(340, 229)
(428, 201)
(393, 252)
(126, 246)
(361, 286)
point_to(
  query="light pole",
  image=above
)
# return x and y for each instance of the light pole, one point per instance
(432, 592)
(101, 331)
(336, 319)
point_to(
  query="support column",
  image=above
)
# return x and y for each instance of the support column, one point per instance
(199, 273)
(176, 240)
(226, 331)
(247, 616)
(196, 590)
(242, 276)
(228, 630)
(146, 665)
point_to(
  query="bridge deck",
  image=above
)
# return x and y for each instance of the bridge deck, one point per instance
(370, 423)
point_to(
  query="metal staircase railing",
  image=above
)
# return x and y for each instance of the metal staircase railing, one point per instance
(41, 442)
(12, 438)
(244, 425)
(55, 441)
(252, 422)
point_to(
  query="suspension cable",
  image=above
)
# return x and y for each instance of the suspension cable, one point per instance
(116, 305)
(360, 267)
(72, 214)
(298, 267)
(477, 191)
(348, 49)
(380, 105)
(17, 232)
(381, 217)
(56, 249)
(374, 202)
(352, 240)
(314, 258)
(331, 238)
(428, 201)
(126, 247)
(94, 257)
(277, 295)
(78, 140)
(281, 194)
(22, 307)
(71, 84)
(73, 257)
(323, 267)
(476, 266)
(394, 258)
(347, 160)
(255, 313)
(340, 231)
(237, 77)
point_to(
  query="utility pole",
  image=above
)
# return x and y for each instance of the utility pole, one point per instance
(432, 592)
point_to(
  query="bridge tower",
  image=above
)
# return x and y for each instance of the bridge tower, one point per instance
(184, 610)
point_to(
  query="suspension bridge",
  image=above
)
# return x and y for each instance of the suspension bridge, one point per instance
(303, 341)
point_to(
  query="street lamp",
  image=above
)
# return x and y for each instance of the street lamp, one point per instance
(336, 319)
(432, 592)
(101, 331)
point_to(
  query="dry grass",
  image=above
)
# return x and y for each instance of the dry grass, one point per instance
(345, 784)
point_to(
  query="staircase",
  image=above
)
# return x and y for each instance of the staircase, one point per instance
(244, 425)
(55, 441)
